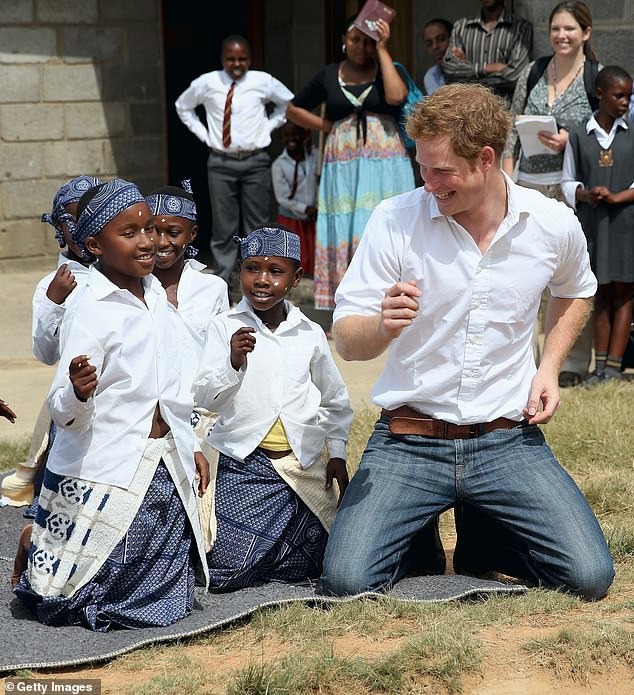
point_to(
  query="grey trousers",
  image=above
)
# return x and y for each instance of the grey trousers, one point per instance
(239, 190)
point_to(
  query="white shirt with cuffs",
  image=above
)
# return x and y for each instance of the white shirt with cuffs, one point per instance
(136, 351)
(251, 126)
(290, 375)
(467, 357)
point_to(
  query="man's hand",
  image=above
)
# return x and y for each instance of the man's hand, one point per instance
(336, 469)
(83, 377)
(495, 67)
(5, 411)
(242, 343)
(544, 390)
(202, 472)
(399, 308)
(61, 285)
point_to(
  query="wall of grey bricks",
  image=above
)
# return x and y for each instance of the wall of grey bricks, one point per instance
(81, 92)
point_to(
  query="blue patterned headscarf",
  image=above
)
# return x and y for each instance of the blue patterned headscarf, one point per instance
(69, 193)
(175, 201)
(270, 240)
(110, 199)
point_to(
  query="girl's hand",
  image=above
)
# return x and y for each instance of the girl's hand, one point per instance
(583, 195)
(602, 194)
(458, 53)
(5, 411)
(202, 472)
(61, 285)
(336, 469)
(554, 141)
(242, 343)
(383, 30)
(83, 377)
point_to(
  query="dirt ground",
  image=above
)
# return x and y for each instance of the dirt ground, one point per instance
(505, 670)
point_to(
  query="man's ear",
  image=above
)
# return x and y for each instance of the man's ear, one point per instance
(92, 244)
(487, 157)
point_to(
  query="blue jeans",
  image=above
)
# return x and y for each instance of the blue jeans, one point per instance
(404, 481)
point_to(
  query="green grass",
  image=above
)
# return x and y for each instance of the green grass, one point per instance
(12, 453)
(366, 647)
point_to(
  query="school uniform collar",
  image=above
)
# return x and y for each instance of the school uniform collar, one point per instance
(195, 265)
(294, 316)
(102, 287)
(593, 124)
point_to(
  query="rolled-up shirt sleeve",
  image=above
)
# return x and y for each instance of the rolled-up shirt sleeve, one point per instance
(573, 278)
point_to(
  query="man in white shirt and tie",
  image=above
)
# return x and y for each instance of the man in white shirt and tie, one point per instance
(237, 133)
(448, 279)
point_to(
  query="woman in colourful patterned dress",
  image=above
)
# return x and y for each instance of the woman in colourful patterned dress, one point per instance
(365, 160)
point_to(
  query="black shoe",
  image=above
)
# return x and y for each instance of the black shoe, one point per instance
(568, 379)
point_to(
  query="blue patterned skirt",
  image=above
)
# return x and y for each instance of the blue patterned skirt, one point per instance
(265, 532)
(147, 580)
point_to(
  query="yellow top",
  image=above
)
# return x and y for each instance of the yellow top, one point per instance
(275, 439)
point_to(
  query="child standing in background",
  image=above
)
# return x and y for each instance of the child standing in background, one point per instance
(295, 184)
(53, 294)
(598, 180)
(269, 373)
(116, 535)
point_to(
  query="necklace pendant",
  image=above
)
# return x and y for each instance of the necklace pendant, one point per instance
(605, 158)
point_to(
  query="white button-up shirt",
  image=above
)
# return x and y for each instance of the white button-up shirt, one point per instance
(136, 352)
(282, 174)
(290, 374)
(48, 316)
(200, 296)
(251, 126)
(468, 356)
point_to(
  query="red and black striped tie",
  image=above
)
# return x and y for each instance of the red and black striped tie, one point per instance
(226, 121)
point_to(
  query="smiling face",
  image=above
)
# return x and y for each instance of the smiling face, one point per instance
(614, 99)
(236, 60)
(265, 282)
(458, 184)
(173, 234)
(360, 48)
(436, 39)
(566, 35)
(126, 246)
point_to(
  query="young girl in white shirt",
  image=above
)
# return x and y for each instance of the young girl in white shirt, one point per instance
(197, 296)
(268, 371)
(116, 541)
(53, 294)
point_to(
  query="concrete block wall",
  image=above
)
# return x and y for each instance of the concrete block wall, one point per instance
(81, 93)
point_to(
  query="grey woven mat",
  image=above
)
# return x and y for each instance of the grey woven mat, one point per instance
(25, 643)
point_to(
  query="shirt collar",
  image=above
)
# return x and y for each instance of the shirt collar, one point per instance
(593, 124)
(293, 314)
(516, 205)
(505, 18)
(102, 287)
(195, 265)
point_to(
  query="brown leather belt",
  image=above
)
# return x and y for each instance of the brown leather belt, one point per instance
(237, 154)
(405, 420)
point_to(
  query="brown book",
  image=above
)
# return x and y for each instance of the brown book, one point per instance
(371, 12)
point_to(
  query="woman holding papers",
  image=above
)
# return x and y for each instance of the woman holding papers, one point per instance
(559, 91)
